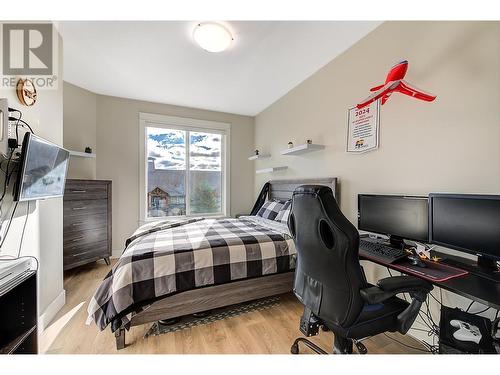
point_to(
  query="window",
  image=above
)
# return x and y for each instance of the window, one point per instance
(183, 167)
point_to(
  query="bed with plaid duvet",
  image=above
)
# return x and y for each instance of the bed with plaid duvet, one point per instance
(162, 260)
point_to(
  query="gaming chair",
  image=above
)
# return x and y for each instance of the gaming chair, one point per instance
(330, 282)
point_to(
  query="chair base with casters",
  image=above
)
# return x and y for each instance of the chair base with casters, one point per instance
(340, 346)
(383, 312)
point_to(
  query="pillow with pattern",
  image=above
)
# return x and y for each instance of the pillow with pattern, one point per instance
(270, 210)
(284, 212)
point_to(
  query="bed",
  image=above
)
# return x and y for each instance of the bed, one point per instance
(171, 269)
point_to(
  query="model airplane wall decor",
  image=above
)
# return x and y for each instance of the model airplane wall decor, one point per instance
(395, 83)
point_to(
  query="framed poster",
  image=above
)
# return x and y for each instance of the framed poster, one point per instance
(363, 128)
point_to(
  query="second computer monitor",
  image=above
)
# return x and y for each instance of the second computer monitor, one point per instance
(400, 217)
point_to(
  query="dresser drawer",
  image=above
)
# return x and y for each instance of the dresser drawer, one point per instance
(78, 190)
(76, 223)
(86, 253)
(85, 207)
(77, 239)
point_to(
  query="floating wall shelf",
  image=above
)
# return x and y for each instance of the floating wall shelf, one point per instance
(302, 149)
(260, 156)
(81, 154)
(270, 170)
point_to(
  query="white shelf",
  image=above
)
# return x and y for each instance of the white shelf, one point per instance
(81, 154)
(270, 170)
(260, 156)
(302, 149)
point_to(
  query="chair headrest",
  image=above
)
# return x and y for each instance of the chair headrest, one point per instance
(319, 190)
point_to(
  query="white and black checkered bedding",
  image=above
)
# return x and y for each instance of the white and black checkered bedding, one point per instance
(203, 253)
(270, 210)
(284, 212)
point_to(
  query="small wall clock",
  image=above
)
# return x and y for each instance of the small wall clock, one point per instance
(26, 91)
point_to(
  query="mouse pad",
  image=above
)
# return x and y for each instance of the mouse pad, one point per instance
(436, 272)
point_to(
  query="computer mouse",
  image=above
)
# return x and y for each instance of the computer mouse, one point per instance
(416, 261)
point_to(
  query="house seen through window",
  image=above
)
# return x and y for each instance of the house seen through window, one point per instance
(184, 172)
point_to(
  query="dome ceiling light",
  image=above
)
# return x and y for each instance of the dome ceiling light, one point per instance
(212, 37)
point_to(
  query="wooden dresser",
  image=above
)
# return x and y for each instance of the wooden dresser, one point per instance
(87, 222)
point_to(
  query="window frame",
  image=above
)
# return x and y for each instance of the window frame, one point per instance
(190, 125)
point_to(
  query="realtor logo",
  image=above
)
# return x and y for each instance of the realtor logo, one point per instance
(29, 51)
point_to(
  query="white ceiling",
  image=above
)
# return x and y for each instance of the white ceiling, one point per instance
(159, 62)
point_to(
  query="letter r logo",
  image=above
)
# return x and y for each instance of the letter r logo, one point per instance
(27, 49)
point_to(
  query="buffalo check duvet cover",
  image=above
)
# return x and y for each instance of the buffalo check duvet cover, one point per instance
(188, 255)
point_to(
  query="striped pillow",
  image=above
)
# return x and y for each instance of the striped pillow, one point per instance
(284, 212)
(270, 210)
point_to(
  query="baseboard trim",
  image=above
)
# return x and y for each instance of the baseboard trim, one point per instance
(50, 312)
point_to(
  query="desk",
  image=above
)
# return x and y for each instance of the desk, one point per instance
(470, 286)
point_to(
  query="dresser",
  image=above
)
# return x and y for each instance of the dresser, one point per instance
(87, 222)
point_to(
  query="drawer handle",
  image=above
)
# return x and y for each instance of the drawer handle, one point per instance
(78, 191)
(77, 239)
(79, 208)
(75, 224)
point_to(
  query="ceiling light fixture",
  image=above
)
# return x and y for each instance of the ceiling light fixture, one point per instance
(212, 37)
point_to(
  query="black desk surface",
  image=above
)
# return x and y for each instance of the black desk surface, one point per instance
(471, 286)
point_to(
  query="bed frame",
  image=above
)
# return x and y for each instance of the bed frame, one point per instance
(217, 296)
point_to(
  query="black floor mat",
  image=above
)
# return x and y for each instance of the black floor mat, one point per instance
(218, 314)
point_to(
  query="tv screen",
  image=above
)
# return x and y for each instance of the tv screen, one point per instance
(43, 169)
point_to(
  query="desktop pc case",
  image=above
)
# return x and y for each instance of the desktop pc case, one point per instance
(450, 345)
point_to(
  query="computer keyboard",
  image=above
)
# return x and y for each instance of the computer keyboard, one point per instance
(385, 253)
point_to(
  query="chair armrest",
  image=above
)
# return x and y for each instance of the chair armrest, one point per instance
(390, 286)
(404, 284)
(374, 294)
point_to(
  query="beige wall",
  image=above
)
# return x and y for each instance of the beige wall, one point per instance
(43, 236)
(450, 145)
(118, 156)
(80, 107)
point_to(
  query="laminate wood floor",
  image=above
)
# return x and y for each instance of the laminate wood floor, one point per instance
(268, 331)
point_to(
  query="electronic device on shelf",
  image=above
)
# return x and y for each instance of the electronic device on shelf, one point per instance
(42, 171)
(383, 252)
(12, 268)
(468, 223)
(466, 331)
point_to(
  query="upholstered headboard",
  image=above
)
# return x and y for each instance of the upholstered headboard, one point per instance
(283, 189)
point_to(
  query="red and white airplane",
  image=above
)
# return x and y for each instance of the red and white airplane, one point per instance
(395, 83)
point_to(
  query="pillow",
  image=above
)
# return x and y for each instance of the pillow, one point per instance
(270, 210)
(284, 212)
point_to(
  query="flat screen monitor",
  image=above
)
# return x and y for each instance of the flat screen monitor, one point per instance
(400, 217)
(466, 222)
(42, 172)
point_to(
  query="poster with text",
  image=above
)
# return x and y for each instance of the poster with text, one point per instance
(363, 128)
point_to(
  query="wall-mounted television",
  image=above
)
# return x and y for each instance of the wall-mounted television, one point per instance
(42, 173)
